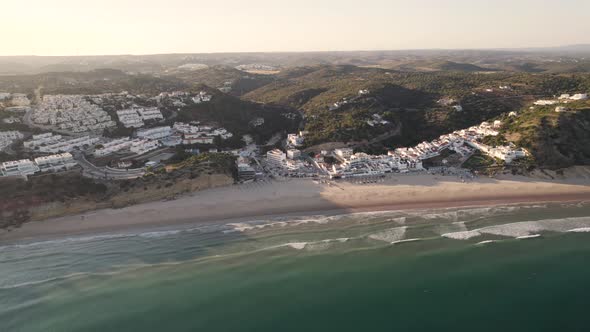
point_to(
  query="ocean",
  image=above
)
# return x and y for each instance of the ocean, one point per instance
(509, 268)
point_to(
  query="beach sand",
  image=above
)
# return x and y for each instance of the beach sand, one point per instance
(303, 196)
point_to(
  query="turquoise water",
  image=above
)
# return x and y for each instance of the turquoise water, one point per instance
(353, 272)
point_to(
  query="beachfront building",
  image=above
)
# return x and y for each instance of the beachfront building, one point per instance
(18, 168)
(293, 153)
(245, 171)
(276, 157)
(56, 163)
(343, 153)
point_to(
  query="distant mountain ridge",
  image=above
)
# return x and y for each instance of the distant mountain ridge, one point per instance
(450, 59)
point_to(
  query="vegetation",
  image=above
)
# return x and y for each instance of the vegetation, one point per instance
(235, 115)
(555, 140)
(483, 164)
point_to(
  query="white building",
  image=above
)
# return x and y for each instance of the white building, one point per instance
(150, 113)
(579, 96)
(295, 139)
(560, 109)
(202, 97)
(276, 157)
(56, 163)
(197, 138)
(543, 102)
(154, 133)
(344, 152)
(293, 153)
(67, 145)
(141, 146)
(42, 139)
(112, 147)
(130, 118)
(18, 168)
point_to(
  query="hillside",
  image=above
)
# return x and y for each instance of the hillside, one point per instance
(407, 99)
(556, 140)
(217, 76)
(440, 65)
(91, 82)
(235, 115)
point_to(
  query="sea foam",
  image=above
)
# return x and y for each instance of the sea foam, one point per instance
(389, 235)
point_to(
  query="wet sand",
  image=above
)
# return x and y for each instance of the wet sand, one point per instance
(303, 196)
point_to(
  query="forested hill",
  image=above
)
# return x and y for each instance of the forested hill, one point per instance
(422, 103)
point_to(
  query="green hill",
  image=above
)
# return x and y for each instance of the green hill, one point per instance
(456, 66)
(555, 140)
(217, 76)
(235, 115)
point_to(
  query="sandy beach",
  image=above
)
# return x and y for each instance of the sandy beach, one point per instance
(303, 196)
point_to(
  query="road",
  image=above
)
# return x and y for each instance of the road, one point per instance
(104, 173)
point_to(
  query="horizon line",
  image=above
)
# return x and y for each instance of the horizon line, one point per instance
(522, 49)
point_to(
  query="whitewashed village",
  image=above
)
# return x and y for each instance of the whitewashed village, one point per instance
(72, 137)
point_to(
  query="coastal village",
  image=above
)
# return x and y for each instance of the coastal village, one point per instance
(71, 137)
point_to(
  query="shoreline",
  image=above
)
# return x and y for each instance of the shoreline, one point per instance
(303, 198)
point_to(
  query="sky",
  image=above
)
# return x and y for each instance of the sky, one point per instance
(98, 27)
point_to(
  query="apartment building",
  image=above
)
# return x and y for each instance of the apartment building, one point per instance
(276, 157)
(18, 168)
(56, 163)
(112, 147)
(141, 146)
(154, 133)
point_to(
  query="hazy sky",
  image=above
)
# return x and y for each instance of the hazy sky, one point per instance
(83, 27)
